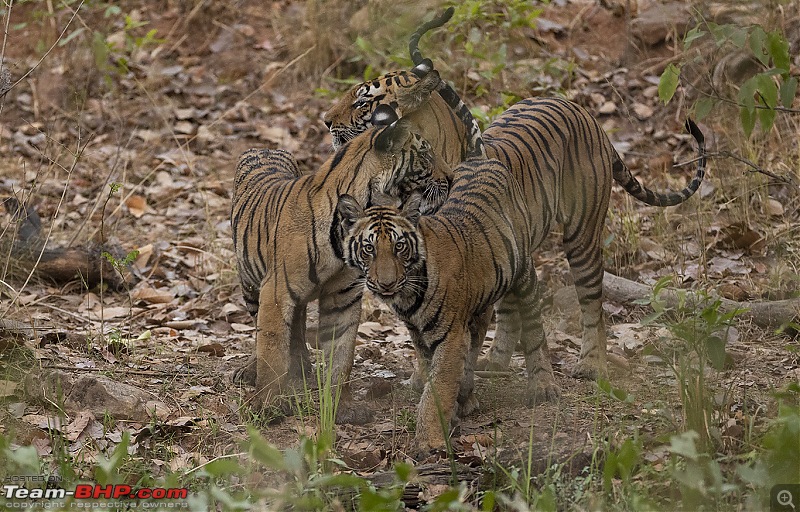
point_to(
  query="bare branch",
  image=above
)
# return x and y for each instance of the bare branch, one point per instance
(754, 167)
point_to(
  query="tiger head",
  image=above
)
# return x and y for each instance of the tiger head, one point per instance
(403, 91)
(383, 244)
(410, 157)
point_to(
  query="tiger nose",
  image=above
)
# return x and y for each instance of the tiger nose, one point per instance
(385, 290)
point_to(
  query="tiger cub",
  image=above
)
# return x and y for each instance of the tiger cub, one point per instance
(288, 245)
(558, 152)
(441, 274)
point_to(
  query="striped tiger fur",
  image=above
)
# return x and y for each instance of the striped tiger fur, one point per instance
(287, 247)
(565, 163)
(442, 273)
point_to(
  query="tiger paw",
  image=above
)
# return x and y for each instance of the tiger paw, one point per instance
(488, 364)
(271, 411)
(589, 369)
(469, 406)
(245, 375)
(541, 392)
(422, 452)
(418, 379)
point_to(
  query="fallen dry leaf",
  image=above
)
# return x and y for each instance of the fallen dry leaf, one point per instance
(7, 388)
(109, 313)
(43, 446)
(43, 422)
(152, 296)
(242, 327)
(136, 205)
(773, 207)
(212, 349)
(78, 424)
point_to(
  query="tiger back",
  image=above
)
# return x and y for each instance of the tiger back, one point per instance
(287, 251)
(441, 273)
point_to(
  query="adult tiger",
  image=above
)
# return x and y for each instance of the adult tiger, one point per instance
(288, 253)
(440, 273)
(559, 153)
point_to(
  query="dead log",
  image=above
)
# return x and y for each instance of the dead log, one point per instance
(770, 314)
(429, 480)
(27, 254)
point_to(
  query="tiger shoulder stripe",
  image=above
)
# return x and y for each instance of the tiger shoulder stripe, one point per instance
(286, 251)
(440, 273)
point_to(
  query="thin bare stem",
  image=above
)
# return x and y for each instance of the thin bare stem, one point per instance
(23, 77)
(76, 158)
(754, 167)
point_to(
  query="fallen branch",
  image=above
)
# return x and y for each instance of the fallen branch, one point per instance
(27, 254)
(770, 314)
(428, 475)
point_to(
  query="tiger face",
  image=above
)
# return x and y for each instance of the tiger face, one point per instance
(383, 244)
(353, 112)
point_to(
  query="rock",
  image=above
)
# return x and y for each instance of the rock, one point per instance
(655, 23)
(642, 111)
(608, 107)
(96, 393)
(362, 455)
(378, 387)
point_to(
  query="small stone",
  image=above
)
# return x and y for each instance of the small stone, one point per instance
(608, 107)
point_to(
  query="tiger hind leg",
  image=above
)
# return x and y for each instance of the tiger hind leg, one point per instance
(273, 344)
(299, 363)
(541, 381)
(586, 265)
(498, 357)
(467, 401)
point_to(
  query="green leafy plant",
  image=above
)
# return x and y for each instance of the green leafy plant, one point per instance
(701, 328)
(761, 95)
(779, 452)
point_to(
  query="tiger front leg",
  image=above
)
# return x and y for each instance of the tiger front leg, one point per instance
(339, 316)
(437, 406)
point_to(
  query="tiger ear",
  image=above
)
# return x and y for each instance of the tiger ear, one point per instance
(418, 94)
(348, 212)
(393, 136)
(383, 115)
(411, 208)
(423, 68)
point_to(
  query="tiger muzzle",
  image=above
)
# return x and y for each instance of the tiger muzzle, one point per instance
(384, 289)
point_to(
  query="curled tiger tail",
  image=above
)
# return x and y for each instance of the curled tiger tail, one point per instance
(413, 43)
(423, 66)
(623, 176)
(475, 146)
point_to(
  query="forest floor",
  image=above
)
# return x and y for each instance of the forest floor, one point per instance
(143, 159)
